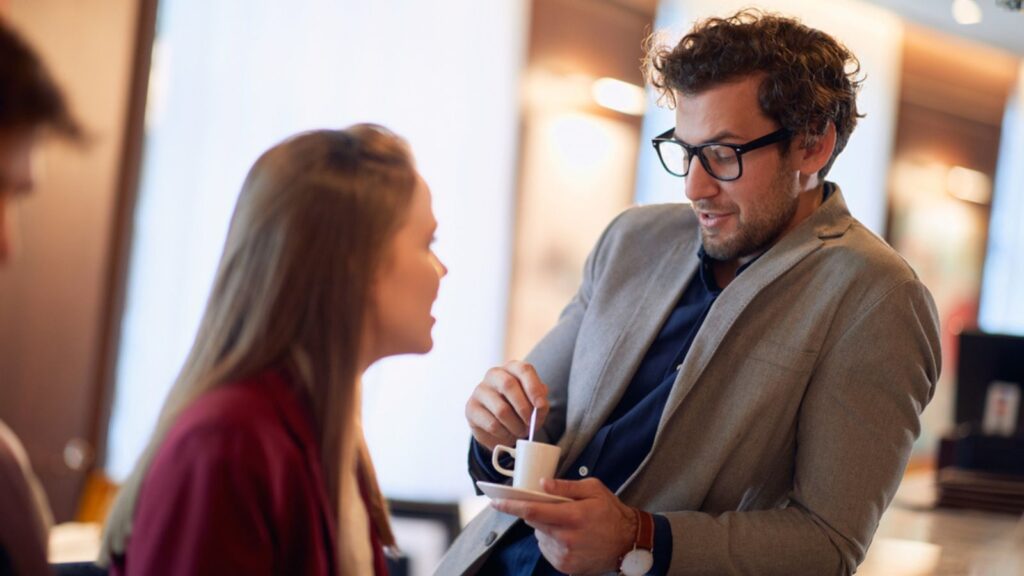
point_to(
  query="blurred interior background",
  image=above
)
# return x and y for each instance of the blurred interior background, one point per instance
(531, 122)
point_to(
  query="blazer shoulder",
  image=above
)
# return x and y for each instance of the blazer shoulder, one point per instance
(657, 215)
(865, 254)
(639, 237)
(652, 224)
(861, 268)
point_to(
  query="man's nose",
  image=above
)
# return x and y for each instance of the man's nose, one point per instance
(699, 184)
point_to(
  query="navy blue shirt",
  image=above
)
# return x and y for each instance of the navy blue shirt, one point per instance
(626, 437)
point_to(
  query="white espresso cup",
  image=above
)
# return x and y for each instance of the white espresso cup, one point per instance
(534, 460)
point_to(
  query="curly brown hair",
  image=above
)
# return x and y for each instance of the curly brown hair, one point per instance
(810, 79)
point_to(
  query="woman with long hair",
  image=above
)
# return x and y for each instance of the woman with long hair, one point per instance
(258, 463)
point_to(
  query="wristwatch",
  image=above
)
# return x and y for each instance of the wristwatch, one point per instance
(639, 560)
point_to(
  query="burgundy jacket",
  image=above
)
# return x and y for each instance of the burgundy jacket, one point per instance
(237, 488)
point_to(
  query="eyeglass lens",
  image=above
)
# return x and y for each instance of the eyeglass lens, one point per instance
(721, 161)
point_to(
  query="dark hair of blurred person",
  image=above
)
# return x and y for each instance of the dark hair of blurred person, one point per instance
(31, 104)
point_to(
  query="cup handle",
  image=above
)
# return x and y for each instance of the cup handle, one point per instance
(494, 459)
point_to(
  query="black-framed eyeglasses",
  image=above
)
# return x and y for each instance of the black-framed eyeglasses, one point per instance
(721, 161)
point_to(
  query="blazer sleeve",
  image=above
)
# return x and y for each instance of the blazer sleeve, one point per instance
(204, 509)
(552, 358)
(857, 423)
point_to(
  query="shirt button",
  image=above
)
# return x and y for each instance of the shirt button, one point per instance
(491, 537)
(584, 471)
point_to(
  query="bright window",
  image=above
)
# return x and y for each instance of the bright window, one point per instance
(1002, 308)
(230, 79)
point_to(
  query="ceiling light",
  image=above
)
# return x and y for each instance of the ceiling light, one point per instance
(969, 185)
(619, 96)
(966, 12)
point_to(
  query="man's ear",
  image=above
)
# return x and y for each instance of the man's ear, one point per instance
(813, 157)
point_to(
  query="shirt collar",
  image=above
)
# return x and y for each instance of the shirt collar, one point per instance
(707, 274)
(826, 190)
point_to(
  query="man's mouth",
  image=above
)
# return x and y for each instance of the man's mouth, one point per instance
(713, 219)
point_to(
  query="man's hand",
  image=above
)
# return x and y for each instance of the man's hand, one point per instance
(499, 409)
(587, 536)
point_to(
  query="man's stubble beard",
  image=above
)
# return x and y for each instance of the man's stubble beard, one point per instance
(760, 227)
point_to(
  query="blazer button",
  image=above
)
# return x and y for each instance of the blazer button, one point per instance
(491, 537)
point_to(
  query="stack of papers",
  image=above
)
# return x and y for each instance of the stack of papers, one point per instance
(959, 488)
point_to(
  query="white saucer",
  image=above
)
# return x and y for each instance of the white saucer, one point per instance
(505, 491)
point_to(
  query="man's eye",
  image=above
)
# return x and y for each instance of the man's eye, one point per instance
(723, 155)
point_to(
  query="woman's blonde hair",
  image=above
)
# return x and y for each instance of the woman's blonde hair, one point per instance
(307, 236)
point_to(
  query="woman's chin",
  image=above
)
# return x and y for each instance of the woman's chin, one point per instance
(421, 346)
(428, 345)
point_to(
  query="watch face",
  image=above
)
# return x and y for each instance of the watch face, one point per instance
(637, 562)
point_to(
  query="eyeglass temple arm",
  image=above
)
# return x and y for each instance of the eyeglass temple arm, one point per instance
(666, 135)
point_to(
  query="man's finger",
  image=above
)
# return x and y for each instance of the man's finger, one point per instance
(508, 387)
(550, 530)
(487, 429)
(536, 391)
(487, 441)
(498, 407)
(553, 549)
(575, 489)
(552, 515)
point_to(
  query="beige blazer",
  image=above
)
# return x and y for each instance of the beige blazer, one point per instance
(791, 420)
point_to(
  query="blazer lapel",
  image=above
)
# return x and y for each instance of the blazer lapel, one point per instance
(597, 392)
(832, 219)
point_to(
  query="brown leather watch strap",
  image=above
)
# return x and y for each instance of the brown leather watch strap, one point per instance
(645, 530)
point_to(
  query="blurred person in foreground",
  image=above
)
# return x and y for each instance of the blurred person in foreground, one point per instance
(258, 464)
(31, 106)
(737, 384)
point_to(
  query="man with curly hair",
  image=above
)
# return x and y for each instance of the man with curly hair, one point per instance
(738, 382)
